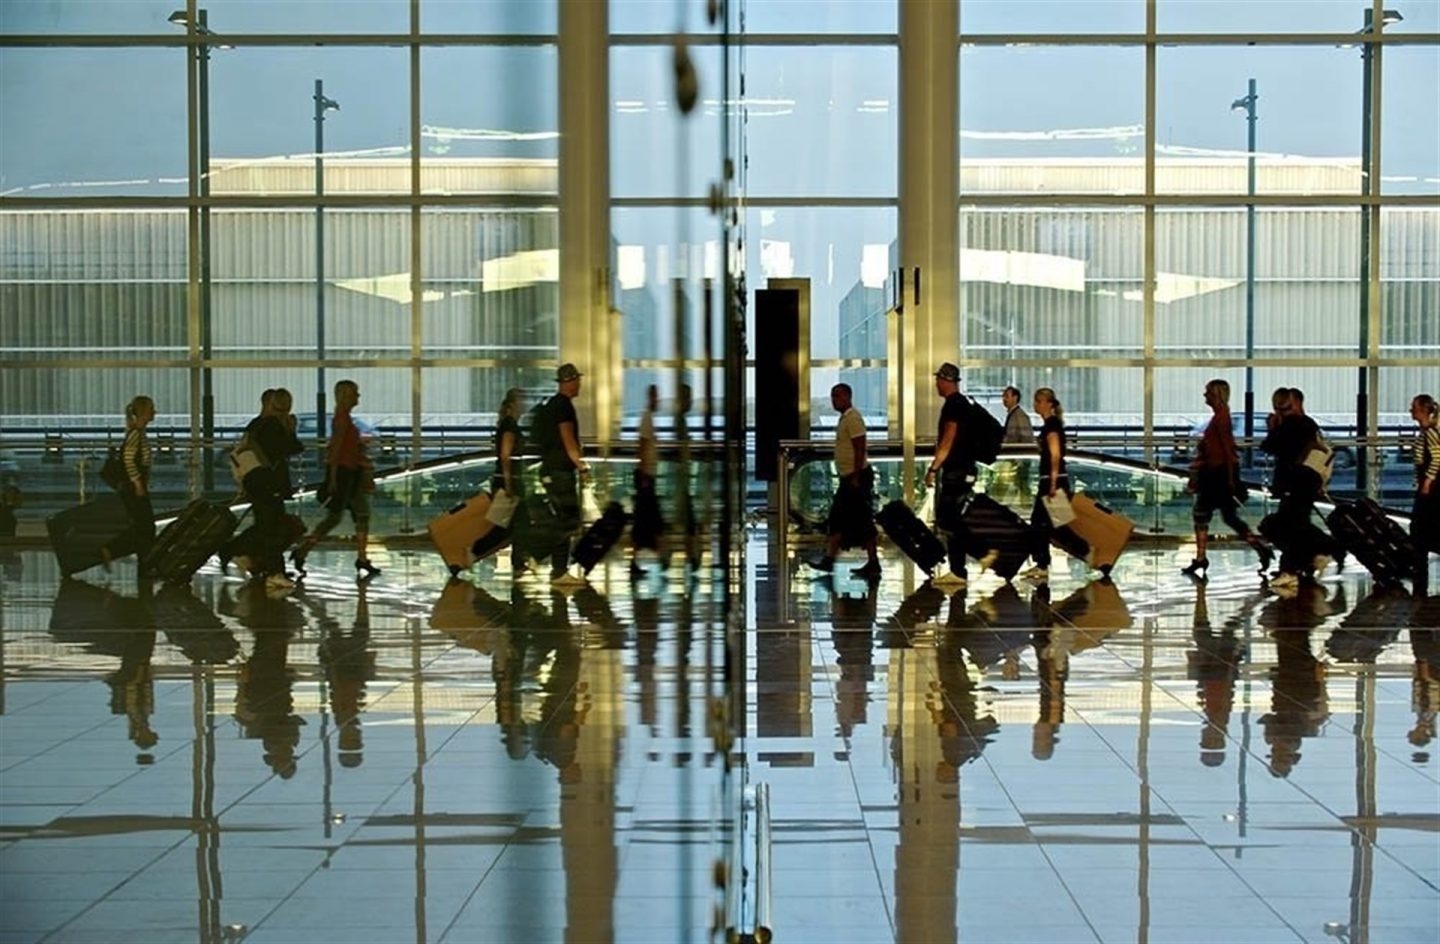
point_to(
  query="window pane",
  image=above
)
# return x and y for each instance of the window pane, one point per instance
(262, 120)
(68, 128)
(1410, 283)
(466, 401)
(1307, 288)
(264, 284)
(384, 395)
(654, 150)
(652, 248)
(1409, 121)
(135, 16)
(504, 140)
(1308, 131)
(491, 284)
(1026, 125)
(93, 283)
(34, 399)
(761, 16)
(493, 16)
(1051, 282)
(1256, 16)
(307, 16)
(1052, 16)
(1091, 396)
(837, 106)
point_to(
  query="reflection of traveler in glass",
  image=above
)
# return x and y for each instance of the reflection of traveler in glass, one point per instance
(1052, 655)
(135, 492)
(349, 480)
(132, 685)
(1425, 512)
(349, 663)
(1054, 480)
(648, 529)
(1214, 665)
(1299, 706)
(1424, 688)
(852, 518)
(264, 689)
(1215, 480)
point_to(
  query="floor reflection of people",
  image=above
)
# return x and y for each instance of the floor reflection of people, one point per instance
(1299, 706)
(349, 663)
(1052, 658)
(1003, 623)
(1425, 677)
(1214, 665)
(132, 691)
(937, 727)
(1372, 625)
(264, 691)
(852, 621)
(192, 626)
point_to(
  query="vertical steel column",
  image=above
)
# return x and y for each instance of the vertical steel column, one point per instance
(1148, 285)
(1251, 101)
(584, 182)
(417, 255)
(929, 152)
(322, 105)
(193, 332)
(207, 331)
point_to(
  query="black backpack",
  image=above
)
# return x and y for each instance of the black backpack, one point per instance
(540, 432)
(982, 434)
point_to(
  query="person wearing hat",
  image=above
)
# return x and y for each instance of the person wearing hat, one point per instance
(563, 467)
(954, 470)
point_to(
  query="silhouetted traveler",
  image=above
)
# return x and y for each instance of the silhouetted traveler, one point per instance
(1215, 480)
(349, 480)
(952, 471)
(852, 517)
(135, 494)
(1425, 512)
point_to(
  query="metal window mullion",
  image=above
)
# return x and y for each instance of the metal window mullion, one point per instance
(1148, 285)
(417, 301)
(1372, 276)
(192, 237)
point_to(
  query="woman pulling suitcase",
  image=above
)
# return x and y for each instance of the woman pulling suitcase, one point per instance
(1425, 512)
(135, 490)
(1215, 480)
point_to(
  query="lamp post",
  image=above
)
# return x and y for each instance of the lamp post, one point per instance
(1362, 395)
(322, 105)
(1247, 104)
(207, 391)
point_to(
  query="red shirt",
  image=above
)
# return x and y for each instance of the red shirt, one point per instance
(344, 450)
(1217, 445)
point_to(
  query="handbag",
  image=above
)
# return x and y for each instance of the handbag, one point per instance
(113, 473)
(1059, 509)
(502, 508)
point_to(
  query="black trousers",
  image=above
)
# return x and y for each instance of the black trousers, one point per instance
(1297, 536)
(562, 486)
(952, 490)
(141, 533)
(1425, 534)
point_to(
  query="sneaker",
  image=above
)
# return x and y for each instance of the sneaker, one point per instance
(949, 579)
(566, 580)
(1037, 574)
(279, 582)
(871, 569)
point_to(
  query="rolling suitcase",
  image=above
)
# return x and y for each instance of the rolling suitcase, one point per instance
(1364, 529)
(458, 530)
(77, 534)
(201, 530)
(596, 542)
(1098, 535)
(996, 533)
(915, 540)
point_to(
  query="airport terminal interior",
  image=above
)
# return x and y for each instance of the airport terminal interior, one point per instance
(358, 695)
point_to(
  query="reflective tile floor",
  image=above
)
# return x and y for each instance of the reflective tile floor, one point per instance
(409, 760)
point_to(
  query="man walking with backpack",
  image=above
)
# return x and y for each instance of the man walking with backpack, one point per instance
(555, 432)
(952, 471)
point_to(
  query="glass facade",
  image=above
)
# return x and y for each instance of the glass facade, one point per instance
(1101, 227)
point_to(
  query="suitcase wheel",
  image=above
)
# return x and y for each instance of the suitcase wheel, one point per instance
(455, 570)
(1105, 569)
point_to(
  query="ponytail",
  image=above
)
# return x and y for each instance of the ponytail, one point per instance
(133, 408)
(1045, 393)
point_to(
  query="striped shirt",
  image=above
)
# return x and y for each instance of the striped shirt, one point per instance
(135, 453)
(1427, 454)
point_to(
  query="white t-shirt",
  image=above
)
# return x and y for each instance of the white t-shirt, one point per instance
(851, 424)
(649, 449)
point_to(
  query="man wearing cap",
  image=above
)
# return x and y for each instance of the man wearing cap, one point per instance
(954, 470)
(563, 466)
